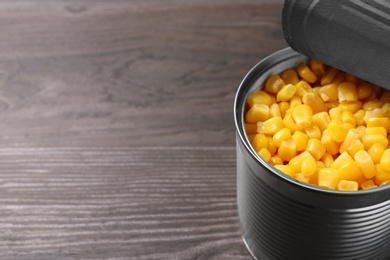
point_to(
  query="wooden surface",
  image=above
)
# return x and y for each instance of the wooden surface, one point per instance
(117, 138)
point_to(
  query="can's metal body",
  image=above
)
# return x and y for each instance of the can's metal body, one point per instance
(283, 219)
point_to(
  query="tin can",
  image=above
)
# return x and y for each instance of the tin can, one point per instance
(282, 218)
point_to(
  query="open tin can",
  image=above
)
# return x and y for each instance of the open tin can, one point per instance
(282, 218)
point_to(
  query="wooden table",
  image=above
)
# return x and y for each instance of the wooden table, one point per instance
(117, 134)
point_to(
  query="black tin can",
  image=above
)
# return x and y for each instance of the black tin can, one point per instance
(282, 218)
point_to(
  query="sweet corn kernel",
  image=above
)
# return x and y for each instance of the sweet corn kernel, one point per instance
(329, 93)
(354, 147)
(359, 115)
(376, 130)
(347, 168)
(301, 177)
(259, 97)
(306, 73)
(378, 122)
(340, 78)
(260, 141)
(347, 92)
(327, 159)
(335, 114)
(348, 117)
(386, 109)
(274, 110)
(259, 112)
(337, 131)
(352, 106)
(316, 148)
(332, 147)
(385, 160)
(364, 160)
(364, 90)
(322, 120)
(347, 185)
(384, 182)
(328, 178)
(351, 78)
(289, 123)
(376, 112)
(329, 76)
(370, 140)
(332, 104)
(274, 84)
(315, 102)
(317, 67)
(286, 93)
(271, 126)
(313, 131)
(271, 145)
(300, 139)
(308, 166)
(385, 97)
(287, 149)
(369, 184)
(302, 88)
(376, 151)
(381, 174)
(281, 135)
(265, 154)
(250, 128)
(283, 107)
(361, 130)
(275, 160)
(351, 135)
(295, 101)
(302, 115)
(296, 162)
(290, 77)
(286, 169)
(372, 104)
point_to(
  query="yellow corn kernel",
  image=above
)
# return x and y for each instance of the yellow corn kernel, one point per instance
(348, 117)
(274, 110)
(313, 131)
(314, 178)
(376, 130)
(328, 93)
(328, 178)
(365, 163)
(381, 174)
(332, 104)
(372, 104)
(347, 92)
(289, 123)
(354, 147)
(302, 115)
(351, 135)
(290, 77)
(273, 99)
(327, 159)
(286, 93)
(259, 97)
(287, 149)
(259, 112)
(305, 72)
(301, 178)
(340, 78)
(347, 168)
(259, 141)
(315, 102)
(369, 184)
(281, 135)
(322, 120)
(283, 107)
(275, 160)
(300, 139)
(376, 112)
(302, 88)
(332, 147)
(308, 166)
(352, 106)
(296, 162)
(320, 164)
(364, 90)
(335, 114)
(376, 151)
(385, 97)
(251, 137)
(370, 140)
(272, 148)
(352, 78)
(337, 131)
(378, 122)
(274, 84)
(361, 130)
(295, 101)
(359, 115)
(385, 160)
(265, 154)
(347, 185)
(286, 169)
(329, 76)
(317, 67)
(386, 109)
(384, 182)
(316, 148)
(250, 128)
(271, 126)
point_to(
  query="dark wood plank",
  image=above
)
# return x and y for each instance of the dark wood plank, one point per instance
(86, 73)
(160, 203)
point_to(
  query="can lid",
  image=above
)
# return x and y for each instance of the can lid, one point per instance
(352, 36)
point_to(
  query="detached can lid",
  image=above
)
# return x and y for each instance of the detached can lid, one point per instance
(353, 36)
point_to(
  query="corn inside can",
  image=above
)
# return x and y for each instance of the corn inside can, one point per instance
(282, 218)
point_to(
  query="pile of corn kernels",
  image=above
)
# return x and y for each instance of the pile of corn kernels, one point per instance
(322, 126)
